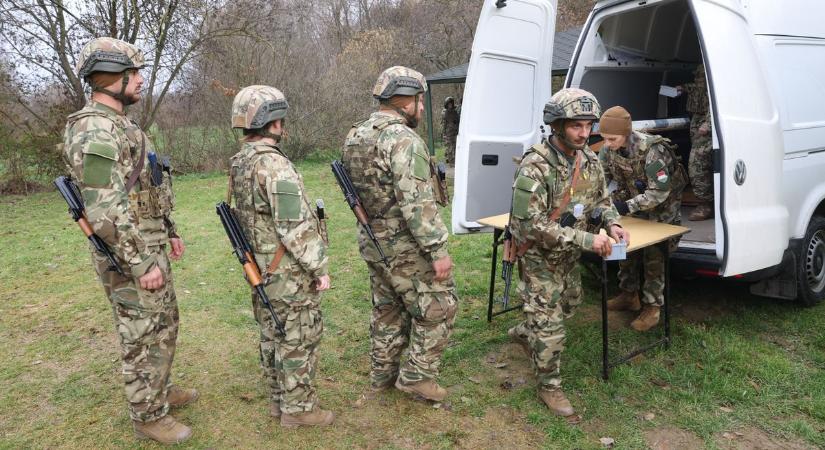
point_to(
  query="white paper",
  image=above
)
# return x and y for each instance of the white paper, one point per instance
(668, 91)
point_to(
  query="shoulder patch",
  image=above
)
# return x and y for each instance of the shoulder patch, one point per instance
(287, 200)
(98, 162)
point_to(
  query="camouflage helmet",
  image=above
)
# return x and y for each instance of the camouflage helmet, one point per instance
(399, 80)
(449, 100)
(106, 54)
(572, 103)
(255, 106)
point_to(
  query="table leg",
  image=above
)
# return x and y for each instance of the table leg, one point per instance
(493, 266)
(666, 251)
(605, 354)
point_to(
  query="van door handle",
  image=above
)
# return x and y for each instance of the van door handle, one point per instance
(489, 160)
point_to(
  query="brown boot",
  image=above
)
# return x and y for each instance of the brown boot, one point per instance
(317, 417)
(275, 409)
(178, 397)
(625, 301)
(647, 319)
(518, 339)
(428, 389)
(556, 401)
(165, 430)
(703, 211)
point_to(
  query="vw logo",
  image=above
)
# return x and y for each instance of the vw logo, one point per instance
(740, 172)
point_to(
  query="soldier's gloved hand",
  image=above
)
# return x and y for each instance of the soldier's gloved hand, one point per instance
(641, 186)
(177, 248)
(442, 268)
(601, 245)
(622, 207)
(152, 279)
(322, 283)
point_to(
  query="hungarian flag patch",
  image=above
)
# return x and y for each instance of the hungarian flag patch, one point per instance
(661, 176)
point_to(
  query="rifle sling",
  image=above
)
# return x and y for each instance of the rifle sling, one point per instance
(522, 249)
(133, 177)
(276, 260)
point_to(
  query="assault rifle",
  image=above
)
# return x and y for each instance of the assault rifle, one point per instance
(71, 194)
(507, 262)
(354, 202)
(242, 249)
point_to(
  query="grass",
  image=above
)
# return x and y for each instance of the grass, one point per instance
(741, 370)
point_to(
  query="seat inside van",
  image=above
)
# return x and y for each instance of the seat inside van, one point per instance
(627, 57)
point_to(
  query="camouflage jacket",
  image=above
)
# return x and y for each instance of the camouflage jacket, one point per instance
(650, 179)
(390, 167)
(543, 176)
(449, 121)
(697, 92)
(272, 206)
(101, 148)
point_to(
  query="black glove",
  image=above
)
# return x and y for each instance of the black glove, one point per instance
(641, 186)
(567, 220)
(622, 207)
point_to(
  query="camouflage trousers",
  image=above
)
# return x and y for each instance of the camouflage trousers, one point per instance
(652, 259)
(146, 322)
(409, 310)
(290, 362)
(551, 290)
(700, 163)
(449, 149)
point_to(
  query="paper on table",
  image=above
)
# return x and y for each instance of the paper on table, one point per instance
(668, 91)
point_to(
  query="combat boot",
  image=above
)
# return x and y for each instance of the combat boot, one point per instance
(317, 417)
(428, 389)
(275, 409)
(625, 301)
(165, 430)
(518, 339)
(647, 319)
(178, 397)
(702, 211)
(556, 401)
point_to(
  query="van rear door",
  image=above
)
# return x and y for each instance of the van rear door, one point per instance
(508, 82)
(754, 221)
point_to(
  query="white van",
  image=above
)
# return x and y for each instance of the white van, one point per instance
(765, 65)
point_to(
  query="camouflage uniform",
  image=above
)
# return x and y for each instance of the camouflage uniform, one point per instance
(449, 129)
(650, 179)
(700, 164)
(102, 147)
(273, 210)
(390, 167)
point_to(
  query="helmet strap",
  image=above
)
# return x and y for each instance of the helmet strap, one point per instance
(562, 137)
(121, 96)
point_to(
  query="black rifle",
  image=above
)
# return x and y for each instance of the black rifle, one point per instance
(71, 194)
(354, 202)
(242, 249)
(507, 262)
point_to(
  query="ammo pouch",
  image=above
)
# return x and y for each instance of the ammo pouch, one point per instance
(151, 203)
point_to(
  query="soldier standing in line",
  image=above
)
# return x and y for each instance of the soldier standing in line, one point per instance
(450, 117)
(129, 201)
(649, 181)
(285, 234)
(700, 164)
(558, 195)
(413, 296)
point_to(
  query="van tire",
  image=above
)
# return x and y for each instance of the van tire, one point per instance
(810, 272)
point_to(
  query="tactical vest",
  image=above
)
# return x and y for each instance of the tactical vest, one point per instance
(151, 199)
(252, 206)
(631, 173)
(362, 159)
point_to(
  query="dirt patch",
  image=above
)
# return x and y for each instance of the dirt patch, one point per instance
(755, 439)
(672, 439)
(616, 320)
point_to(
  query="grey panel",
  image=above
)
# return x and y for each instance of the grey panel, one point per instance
(490, 186)
(636, 91)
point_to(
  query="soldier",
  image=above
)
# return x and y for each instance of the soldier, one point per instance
(649, 181)
(272, 206)
(450, 116)
(129, 200)
(559, 193)
(700, 164)
(413, 296)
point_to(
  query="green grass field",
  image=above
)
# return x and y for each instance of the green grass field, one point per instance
(743, 372)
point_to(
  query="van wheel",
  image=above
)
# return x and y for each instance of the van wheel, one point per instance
(811, 273)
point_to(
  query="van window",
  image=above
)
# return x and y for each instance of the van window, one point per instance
(800, 65)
